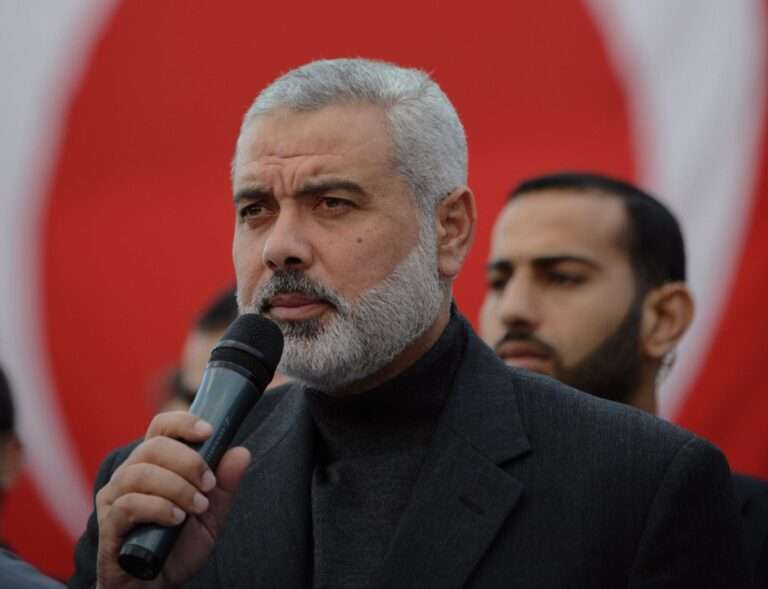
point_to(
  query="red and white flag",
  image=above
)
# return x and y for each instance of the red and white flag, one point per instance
(117, 125)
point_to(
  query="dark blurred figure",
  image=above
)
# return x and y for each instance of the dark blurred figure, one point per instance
(179, 386)
(586, 283)
(168, 393)
(14, 572)
(205, 333)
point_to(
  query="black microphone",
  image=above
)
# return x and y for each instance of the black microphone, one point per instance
(241, 366)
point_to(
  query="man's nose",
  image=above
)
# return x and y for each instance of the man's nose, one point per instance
(520, 304)
(287, 247)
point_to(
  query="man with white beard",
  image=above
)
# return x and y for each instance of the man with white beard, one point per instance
(405, 454)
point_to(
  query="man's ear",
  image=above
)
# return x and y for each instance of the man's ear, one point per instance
(10, 460)
(455, 219)
(667, 313)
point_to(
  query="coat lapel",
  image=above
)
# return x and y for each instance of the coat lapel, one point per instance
(267, 542)
(462, 496)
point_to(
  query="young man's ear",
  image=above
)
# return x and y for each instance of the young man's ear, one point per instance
(10, 460)
(667, 313)
(455, 220)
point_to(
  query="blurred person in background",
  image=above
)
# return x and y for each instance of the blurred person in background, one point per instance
(586, 283)
(14, 572)
(210, 325)
(167, 393)
(179, 386)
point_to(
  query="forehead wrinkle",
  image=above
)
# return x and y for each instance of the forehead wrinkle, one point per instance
(270, 173)
(371, 155)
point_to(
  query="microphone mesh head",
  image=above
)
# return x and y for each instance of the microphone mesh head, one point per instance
(258, 332)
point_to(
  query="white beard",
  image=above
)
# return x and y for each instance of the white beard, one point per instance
(359, 338)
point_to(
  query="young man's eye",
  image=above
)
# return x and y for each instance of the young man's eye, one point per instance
(496, 282)
(565, 278)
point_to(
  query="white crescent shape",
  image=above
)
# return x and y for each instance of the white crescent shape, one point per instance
(41, 54)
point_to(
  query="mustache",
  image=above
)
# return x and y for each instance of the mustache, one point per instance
(522, 335)
(295, 281)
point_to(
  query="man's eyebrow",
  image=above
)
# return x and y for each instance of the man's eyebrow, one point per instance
(310, 188)
(314, 187)
(499, 266)
(251, 193)
(553, 260)
(543, 262)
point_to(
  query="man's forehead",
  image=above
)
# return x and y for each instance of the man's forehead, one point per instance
(288, 132)
(329, 140)
(560, 222)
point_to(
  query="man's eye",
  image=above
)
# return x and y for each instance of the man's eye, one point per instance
(565, 278)
(496, 282)
(253, 211)
(331, 202)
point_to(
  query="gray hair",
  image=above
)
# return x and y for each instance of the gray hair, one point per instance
(430, 147)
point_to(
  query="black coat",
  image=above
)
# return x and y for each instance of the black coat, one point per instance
(752, 499)
(527, 483)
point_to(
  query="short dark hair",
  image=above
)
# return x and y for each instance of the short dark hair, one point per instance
(653, 238)
(7, 412)
(219, 312)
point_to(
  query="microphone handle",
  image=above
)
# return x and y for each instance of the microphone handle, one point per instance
(147, 546)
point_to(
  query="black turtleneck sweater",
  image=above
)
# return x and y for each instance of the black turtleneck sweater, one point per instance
(370, 449)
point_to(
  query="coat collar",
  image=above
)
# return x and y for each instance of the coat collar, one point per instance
(483, 407)
(462, 497)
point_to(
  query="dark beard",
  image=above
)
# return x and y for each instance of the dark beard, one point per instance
(614, 369)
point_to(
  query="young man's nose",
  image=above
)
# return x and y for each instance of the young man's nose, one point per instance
(520, 304)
